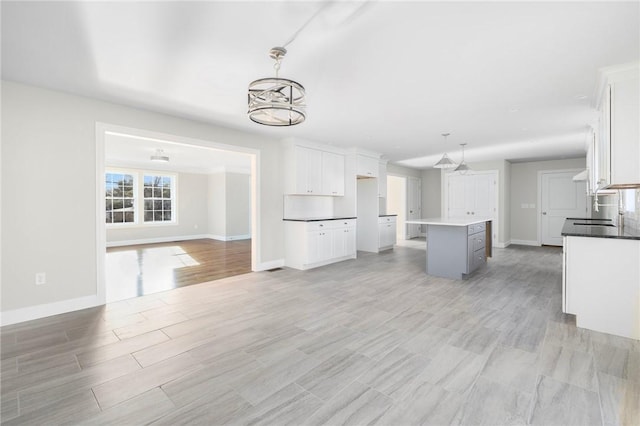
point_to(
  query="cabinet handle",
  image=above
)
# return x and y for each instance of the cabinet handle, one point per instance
(473, 212)
(467, 212)
(321, 225)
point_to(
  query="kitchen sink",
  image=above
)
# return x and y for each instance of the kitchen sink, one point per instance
(595, 224)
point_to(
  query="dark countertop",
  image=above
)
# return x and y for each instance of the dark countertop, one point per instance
(318, 219)
(386, 215)
(571, 230)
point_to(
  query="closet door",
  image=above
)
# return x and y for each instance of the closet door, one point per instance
(457, 191)
(484, 190)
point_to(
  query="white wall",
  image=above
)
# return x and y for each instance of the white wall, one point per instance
(49, 160)
(191, 196)
(238, 204)
(524, 190)
(217, 202)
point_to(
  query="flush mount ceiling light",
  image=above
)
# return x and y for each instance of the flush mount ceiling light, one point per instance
(462, 167)
(276, 101)
(445, 162)
(159, 156)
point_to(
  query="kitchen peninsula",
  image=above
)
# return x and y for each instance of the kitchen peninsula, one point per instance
(456, 247)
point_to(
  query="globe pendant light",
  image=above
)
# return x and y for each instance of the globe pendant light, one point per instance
(445, 162)
(276, 101)
(462, 167)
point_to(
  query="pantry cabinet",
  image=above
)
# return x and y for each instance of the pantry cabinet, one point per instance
(367, 166)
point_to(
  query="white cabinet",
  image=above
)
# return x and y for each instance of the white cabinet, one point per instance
(317, 243)
(382, 179)
(308, 167)
(367, 166)
(386, 232)
(618, 142)
(601, 284)
(471, 195)
(312, 171)
(332, 174)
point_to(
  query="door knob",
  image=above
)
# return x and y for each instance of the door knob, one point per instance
(544, 213)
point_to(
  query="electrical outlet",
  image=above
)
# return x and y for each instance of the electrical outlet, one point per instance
(41, 278)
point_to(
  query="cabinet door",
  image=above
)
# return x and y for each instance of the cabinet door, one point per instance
(332, 173)
(319, 246)
(458, 204)
(308, 170)
(382, 180)
(625, 137)
(350, 241)
(367, 166)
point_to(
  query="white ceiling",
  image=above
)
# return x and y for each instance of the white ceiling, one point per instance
(515, 80)
(133, 151)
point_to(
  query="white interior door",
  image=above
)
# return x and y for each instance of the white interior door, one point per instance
(457, 189)
(484, 194)
(560, 198)
(414, 205)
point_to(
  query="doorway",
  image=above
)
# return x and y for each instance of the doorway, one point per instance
(179, 225)
(559, 198)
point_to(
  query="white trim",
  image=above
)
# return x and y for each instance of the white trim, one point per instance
(525, 243)
(229, 237)
(40, 311)
(265, 266)
(502, 245)
(171, 239)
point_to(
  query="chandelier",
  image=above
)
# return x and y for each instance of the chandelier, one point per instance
(276, 101)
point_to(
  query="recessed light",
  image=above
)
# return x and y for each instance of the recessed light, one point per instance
(513, 110)
(581, 97)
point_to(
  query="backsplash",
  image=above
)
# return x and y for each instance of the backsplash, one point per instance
(631, 201)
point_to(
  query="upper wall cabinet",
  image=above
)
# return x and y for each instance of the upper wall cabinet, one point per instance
(367, 166)
(618, 147)
(311, 171)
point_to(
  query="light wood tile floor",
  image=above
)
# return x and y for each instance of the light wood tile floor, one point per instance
(367, 341)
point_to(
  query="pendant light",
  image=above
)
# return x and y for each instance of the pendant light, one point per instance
(445, 162)
(276, 101)
(462, 167)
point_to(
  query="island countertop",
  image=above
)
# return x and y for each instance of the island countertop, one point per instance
(443, 221)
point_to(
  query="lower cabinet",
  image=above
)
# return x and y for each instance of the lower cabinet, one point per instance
(312, 244)
(386, 232)
(601, 284)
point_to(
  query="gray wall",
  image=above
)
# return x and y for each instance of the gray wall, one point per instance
(524, 190)
(49, 150)
(191, 214)
(238, 207)
(431, 193)
(217, 203)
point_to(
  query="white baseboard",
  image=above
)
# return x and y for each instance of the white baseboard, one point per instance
(46, 310)
(229, 237)
(525, 243)
(502, 245)
(156, 240)
(265, 266)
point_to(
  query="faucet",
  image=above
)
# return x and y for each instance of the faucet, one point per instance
(620, 205)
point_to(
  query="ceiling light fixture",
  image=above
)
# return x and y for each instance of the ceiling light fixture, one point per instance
(276, 101)
(462, 167)
(159, 156)
(445, 162)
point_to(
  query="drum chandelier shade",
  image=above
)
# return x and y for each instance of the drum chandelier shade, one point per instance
(276, 101)
(445, 162)
(160, 156)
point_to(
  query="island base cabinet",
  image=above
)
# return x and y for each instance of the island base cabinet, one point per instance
(455, 251)
(602, 284)
(313, 244)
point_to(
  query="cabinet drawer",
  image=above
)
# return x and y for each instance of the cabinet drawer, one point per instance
(477, 241)
(476, 227)
(479, 259)
(343, 223)
(387, 219)
(318, 226)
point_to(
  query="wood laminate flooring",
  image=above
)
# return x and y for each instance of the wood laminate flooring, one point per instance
(366, 341)
(139, 270)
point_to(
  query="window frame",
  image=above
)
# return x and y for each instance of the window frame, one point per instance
(138, 196)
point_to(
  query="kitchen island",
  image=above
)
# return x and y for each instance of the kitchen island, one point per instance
(456, 247)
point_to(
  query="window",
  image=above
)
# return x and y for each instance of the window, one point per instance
(135, 197)
(158, 198)
(120, 199)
